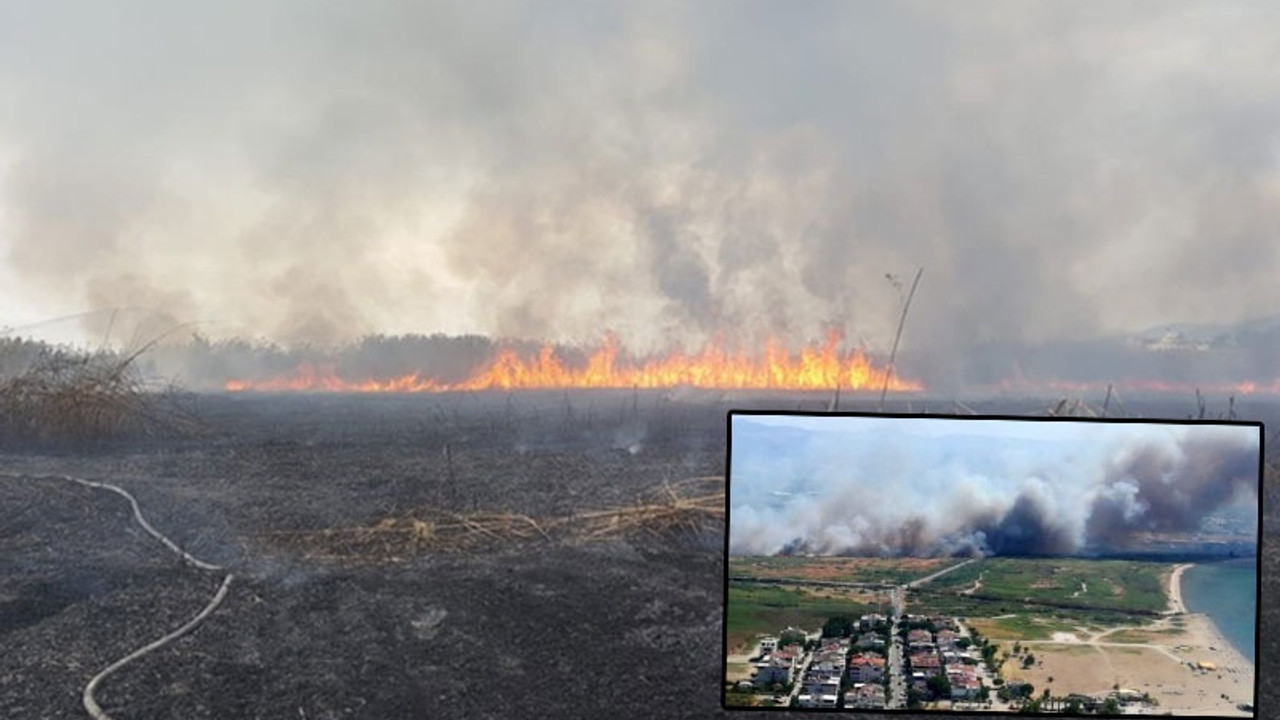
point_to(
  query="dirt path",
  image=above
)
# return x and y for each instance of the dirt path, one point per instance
(977, 585)
(90, 702)
(943, 571)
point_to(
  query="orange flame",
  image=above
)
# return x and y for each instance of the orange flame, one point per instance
(814, 368)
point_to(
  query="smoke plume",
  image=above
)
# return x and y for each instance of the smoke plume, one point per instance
(313, 173)
(939, 487)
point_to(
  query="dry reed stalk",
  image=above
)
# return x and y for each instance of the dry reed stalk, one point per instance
(668, 511)
(63, 395)
(902, 321)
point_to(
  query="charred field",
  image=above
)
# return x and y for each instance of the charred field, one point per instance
(583, 616)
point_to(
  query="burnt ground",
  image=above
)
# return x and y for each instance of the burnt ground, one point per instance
(630, 627)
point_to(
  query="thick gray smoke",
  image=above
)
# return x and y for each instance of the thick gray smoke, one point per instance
(941, 487)
(311, 173)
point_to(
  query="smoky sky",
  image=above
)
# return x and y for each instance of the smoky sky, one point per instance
(882, 486)
(314, 172)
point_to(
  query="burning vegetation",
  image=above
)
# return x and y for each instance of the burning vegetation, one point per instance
(813, 368)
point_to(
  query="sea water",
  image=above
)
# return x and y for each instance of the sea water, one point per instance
(1227, 592)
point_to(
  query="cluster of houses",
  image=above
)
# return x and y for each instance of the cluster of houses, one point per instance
(822, 679)
(866, 678)
(851, 668)
(932, 654)
(851, 672)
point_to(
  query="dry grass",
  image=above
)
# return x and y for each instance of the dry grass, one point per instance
(686, 507)
(66, 395)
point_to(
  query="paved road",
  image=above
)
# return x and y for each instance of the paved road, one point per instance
(799, 681)
(897, 683)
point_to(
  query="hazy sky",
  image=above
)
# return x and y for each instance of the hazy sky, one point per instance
(854, 483)
(313, 171)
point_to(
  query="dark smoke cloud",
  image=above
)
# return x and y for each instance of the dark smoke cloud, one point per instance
(1147, 489)
(311, 173)
(880, 490)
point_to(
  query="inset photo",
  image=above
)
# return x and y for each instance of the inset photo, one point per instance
(988, 565)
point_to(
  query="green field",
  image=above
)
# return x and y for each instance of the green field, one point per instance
(894, 571)
(1028, 626)
(756, 610)
(1071, 583)
(1028, 622)
(1036, 597)
(1040, 595)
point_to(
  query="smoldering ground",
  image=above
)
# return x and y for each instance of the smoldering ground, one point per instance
(887, 494)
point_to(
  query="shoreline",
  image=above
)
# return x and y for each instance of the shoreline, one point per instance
(1182, 660)
(1176, 605)
(1211, 629)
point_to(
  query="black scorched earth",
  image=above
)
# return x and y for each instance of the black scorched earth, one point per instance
(470, 555)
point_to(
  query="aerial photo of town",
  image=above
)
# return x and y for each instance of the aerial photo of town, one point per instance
(989, 565)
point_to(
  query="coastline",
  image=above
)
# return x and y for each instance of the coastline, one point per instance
(1209, 630)
(1182, 660)
(1175, 589)
(1203, 635)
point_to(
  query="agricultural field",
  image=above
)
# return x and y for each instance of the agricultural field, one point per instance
(756, 610)
(1119, 585)
(895, 571)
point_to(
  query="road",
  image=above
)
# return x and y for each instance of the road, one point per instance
(799, 676)
(897, 677)
(944, 571)
(897, 697)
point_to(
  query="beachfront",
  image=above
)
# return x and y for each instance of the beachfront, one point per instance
(1180, 660)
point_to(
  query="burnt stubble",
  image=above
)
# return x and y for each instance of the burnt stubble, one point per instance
(627, 626)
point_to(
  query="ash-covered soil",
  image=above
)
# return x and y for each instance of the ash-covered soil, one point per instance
(628, 627)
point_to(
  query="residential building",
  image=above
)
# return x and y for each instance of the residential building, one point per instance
(807, 700)
(927, 663)
(866, 668)
(775, 670)
(825, 669)
(919, 637)
(946, 639)
(865, 696)
(869, 641)
(819, 687)
(964, 682)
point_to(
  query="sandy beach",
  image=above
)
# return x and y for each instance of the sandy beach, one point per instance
(1181, 660)
(1175, 589)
